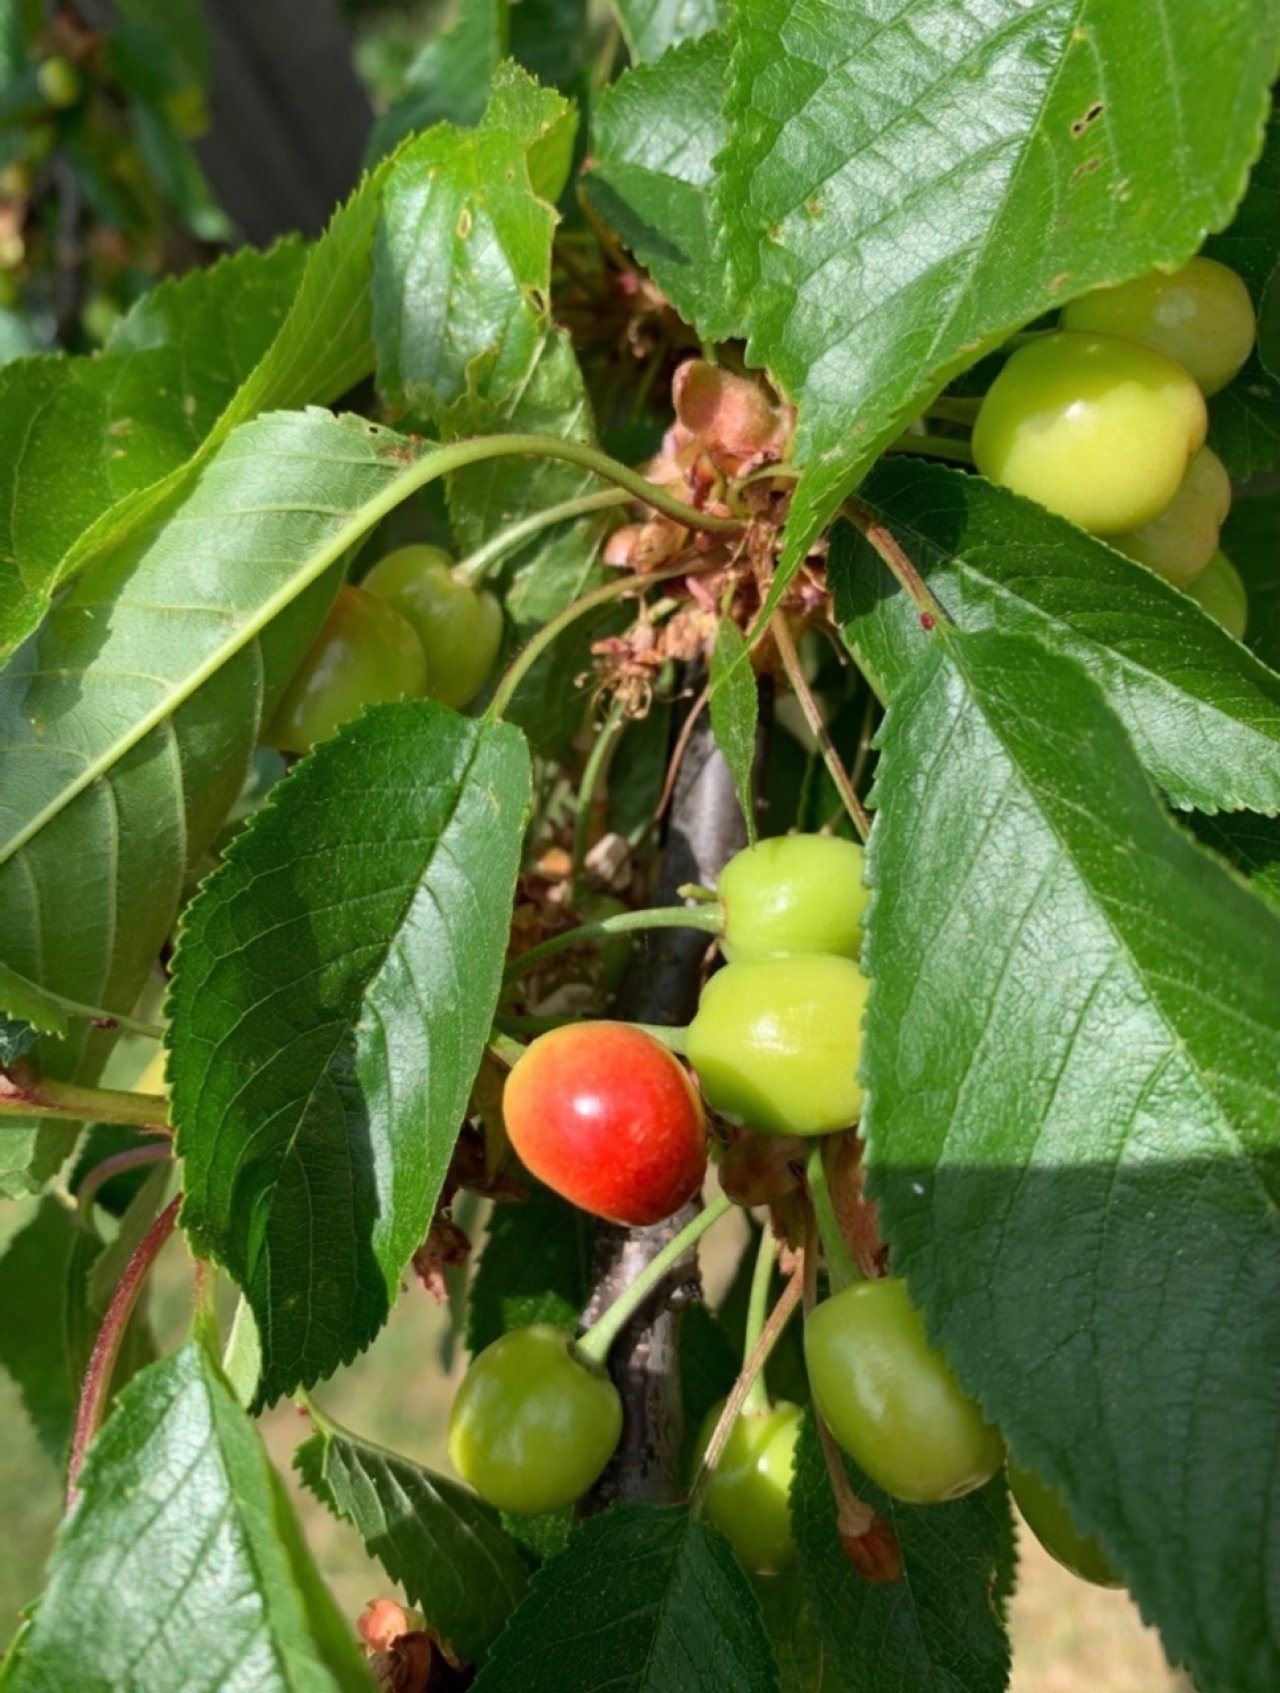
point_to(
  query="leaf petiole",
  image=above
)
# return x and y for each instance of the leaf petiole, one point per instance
(477, 565)
(24, 1093)
(839, 1260)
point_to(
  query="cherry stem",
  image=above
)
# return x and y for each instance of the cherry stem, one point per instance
(593, 775)
(851, 1512)
(132, 1158)
(839, 1260)
(476, 566)
(933, 447)
(504, 1049)
(756, 1397)
(813, 717)
(106, 1348)
(593, 1346)
(954, 408)
(882, 540)
(24, 1093)
(705, 917)
(751, 1373)
(529, 654)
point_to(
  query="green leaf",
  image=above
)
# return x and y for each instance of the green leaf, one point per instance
(902, 187)
(182, 1565)
(33, 1340)
(333, 988)
(1204, 715)
(559, 565)
(933, 1628)
(449, 80)
(535, 1268)
(81, 434)
(129, 720)
(1073, 1072)
(649, 27)
(1251, 540)
(433, 1537)
(803, 1663)
(734, 710)
(1243, 426)
(1251, 246)
(23, 1000)
(462, 276)
(1250, 844)
(657, 132)
(643, 1600)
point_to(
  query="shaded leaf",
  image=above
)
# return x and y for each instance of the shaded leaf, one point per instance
(433, 1537)
(1073, 1072)
(332, 992)
(1251, 540)
(935, 1629)
(1250, 844)
(1204, 715)
(643, 1600)
(535, 1268)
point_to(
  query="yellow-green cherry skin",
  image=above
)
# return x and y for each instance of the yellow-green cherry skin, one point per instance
(1048, 1516)
(532, 1425)
(748, 1495)
(892, 1401)
(793, 894)
(1219, 591)
(1097, 429)
(460, 627)
(1180, 542)
(775, 1043)
(365, 654)
(1201, 316)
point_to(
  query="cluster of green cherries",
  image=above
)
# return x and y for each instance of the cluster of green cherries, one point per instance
(607, 1116)
(1104, 422)
(414, 627)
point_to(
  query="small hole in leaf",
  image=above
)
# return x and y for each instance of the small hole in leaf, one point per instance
(1088, 120)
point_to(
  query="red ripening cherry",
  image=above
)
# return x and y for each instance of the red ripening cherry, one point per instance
(608, 1118)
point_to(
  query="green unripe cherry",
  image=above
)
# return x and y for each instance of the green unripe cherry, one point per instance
(532, 1426)
(1180, 542)
(1219, 591)
(460, 628)
(748, 1495)
(891, 1400)
(1098, 429)
(365, 654)
(776, 1042)
(1201, 316)
(794, 894)
(1048, 1516)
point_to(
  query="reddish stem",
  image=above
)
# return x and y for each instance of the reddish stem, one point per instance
(884, 542)
(106, 1348)
(133, 1158)
(771, 1333)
